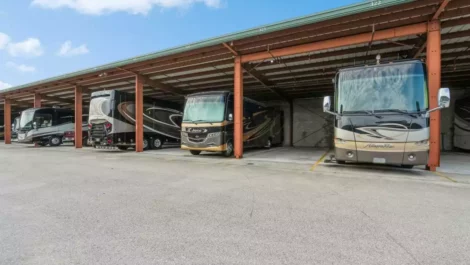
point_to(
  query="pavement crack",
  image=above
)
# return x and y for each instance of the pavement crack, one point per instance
(402, 247)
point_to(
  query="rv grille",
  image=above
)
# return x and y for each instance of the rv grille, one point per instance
(97, 131)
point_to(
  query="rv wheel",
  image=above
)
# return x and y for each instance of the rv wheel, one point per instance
(341, 162)
(146, 144)
(122, 148)
(55, 141)
(194, 152)
(229, 151)
(407, 166)
(157, 143)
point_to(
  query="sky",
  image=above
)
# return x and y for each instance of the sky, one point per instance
(45, 38)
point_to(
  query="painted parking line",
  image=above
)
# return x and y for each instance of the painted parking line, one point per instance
(319, 160)
(445, 177)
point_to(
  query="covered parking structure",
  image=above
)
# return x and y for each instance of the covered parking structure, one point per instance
(285, 61)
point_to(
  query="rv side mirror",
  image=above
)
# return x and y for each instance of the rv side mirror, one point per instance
(326, 104)
(230, 117)
(35, 125)
(444, 98)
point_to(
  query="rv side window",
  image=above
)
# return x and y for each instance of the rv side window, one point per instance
(66, 119)
(229, 107)
(43, 120)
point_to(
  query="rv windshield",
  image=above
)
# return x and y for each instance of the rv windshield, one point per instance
(210, 108)
(392, 87)
(42, 120)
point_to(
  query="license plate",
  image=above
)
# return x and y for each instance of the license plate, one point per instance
(379, 160)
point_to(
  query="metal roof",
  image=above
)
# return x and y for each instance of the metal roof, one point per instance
(208, 65)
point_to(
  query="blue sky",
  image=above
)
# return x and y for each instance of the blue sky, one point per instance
(45, 38)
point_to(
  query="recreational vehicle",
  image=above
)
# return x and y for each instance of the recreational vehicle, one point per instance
(46, 126)
(208, 123)
(462, 124)
(112, 120)
(382, 114)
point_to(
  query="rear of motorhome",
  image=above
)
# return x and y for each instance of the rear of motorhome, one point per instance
(462, 124)
(208, 123)
(46, 126)
(112, 121)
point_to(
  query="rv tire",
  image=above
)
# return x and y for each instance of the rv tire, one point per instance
(229, 151)
(407, 166)
(146, 144)
(55, 141)
(195, 152)
(268, 144)
(341, 162)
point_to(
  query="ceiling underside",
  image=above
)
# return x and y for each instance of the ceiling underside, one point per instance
(299, 76)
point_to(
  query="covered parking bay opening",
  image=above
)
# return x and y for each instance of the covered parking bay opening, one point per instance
(290, 64)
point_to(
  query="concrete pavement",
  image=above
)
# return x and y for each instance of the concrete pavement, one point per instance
(60, 206)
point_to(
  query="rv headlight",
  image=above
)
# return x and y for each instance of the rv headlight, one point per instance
(421, 143)
(340, 141)
(216, 134)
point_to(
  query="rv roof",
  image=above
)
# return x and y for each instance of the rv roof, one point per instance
(383, 64)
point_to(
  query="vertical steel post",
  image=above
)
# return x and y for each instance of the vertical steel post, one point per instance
(433, 57)
(139, 113)
(238, 108)
(7, 119)
(291, 120)
(37, 100)
(78, 117)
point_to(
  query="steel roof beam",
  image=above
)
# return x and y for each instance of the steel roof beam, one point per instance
(339, 42)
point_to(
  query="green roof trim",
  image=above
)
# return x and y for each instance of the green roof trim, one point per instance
(358, 8)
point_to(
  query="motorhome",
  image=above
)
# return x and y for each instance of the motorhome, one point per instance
(46, 126)
(382, 113)
(208, 123)
(112, 121)
(462, 124)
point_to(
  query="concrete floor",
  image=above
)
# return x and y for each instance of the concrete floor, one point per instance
(63, 206)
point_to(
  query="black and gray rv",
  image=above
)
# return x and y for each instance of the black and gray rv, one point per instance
(46, 126)
(208, 123)
(462, 124)
(112, 120)
(382, 114)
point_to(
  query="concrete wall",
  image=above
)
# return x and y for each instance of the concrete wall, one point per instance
(447, 118)
(312, 127)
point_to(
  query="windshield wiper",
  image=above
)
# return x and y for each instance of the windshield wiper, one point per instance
(368, 112)
(199, 121)
(399, 111)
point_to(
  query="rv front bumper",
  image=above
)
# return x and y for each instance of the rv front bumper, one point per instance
(379, 157)
(23, 138)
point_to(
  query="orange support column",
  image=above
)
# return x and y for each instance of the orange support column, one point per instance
(139, 114)
(78, 117)
(37, 100)
(238, 108)
(7, 128)
(433, 55)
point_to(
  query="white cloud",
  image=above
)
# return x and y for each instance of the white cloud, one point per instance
(98, 7)
(67, 50)
(4, 85)
(4, 40)
(28, 48)
(21, 67)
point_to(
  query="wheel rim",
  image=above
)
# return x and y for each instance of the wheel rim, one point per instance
(55, 141)
(146, 143)
(157, 143)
